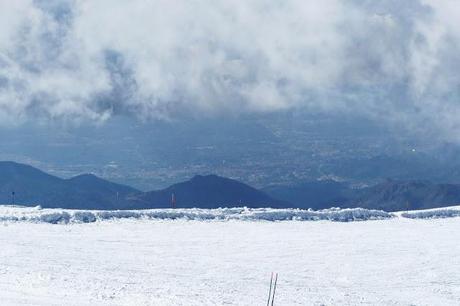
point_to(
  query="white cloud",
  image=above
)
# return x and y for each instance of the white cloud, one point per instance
(82, 59)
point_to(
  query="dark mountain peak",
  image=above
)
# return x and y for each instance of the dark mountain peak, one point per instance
(11, 164)
(33, 186)
(209, 191)
(14, 171)
(92, 182)
(14, 166)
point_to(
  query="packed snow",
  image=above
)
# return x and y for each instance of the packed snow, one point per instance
(213, 257)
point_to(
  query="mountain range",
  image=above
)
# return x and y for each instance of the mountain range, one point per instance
(389, 195)
(32, 186)
(35, 187)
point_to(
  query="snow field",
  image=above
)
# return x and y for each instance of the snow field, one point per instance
(397, 261)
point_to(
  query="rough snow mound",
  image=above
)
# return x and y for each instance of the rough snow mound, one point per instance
(449, 212)
(61, 216)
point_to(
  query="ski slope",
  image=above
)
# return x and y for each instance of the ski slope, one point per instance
(227, 261)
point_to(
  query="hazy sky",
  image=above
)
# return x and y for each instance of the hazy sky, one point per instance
(393, 61)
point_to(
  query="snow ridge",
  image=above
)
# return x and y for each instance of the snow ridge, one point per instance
(432, 214)
(64, 216)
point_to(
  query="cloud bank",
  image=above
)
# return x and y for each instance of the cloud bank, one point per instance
(395, 61)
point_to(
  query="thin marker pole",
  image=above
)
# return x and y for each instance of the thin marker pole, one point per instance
(274, 288)
(270, 291)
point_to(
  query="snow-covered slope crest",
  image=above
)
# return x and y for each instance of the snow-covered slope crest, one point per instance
(64, 216)
(446, 212)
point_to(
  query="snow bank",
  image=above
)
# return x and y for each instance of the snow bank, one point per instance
(433, 213)
(61, 216)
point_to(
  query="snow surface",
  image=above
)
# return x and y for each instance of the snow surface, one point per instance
(226, 261)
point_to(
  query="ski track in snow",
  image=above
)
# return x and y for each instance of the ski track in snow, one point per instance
(396, 261)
